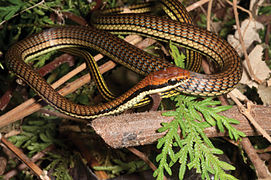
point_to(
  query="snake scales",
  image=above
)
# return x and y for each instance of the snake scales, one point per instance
(161, 77)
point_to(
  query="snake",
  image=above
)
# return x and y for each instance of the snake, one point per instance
(160, 76)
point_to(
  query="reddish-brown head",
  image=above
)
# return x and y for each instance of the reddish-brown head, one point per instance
(168, 75)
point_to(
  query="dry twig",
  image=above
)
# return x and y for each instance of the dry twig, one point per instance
(253, 76)
(260, 167)
(41, 174)
(143, 157)
(21, 167)
(246, 113)
(196, 5)
(209, 13)
(41, 2)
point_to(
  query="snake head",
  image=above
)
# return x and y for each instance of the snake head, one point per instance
(169, 75)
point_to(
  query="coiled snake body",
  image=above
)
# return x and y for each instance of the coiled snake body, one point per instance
(161, 77)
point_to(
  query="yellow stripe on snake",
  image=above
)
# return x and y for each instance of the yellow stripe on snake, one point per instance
(161, 76)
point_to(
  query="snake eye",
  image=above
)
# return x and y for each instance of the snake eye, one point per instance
(172, 81)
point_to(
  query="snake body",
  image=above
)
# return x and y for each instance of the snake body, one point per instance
(162, 77)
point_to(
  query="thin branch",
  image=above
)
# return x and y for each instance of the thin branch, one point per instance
(41, 2)
(259, 165)
(245, 10)
(253, 76)
(241, 8)
(143, 157)
(196, 5)
(24, 158)
(90, 157)
(246, 113)
(261, 169)
(267, 37)
(209, 12)
(22, 166)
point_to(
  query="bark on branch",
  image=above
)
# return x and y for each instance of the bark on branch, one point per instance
(140, 128)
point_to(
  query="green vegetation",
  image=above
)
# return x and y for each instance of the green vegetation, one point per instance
(190, 149)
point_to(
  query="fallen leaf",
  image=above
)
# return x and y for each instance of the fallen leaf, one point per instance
(259, 67)
(265, 94)
(261, 70)
(249, 29)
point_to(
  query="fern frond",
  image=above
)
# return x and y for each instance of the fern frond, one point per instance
(194, 146)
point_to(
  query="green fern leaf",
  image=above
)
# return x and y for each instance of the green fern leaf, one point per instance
(221, 108)
(170, 113)
(220, 125)
(161, 142)
(182, 170)
(167, 168)
(226, 166)
(163, 128)
(232, 121)
(178, 58)
(229, 177)
(216, 151)
(194, 114)
(208, 117)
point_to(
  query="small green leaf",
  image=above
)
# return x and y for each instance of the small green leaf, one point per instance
(162, 129)
(242, 134)
(204, 125)
(208, 166)
(216, 151)
(208, 118)
(155, 173)
(30, 128)
(159, 157)
(178, 140)
(44, 138)
(47, 20)
(178, 58)
(228, 176)
(167, 168)
(209, 102)
(172, 155)
(221, 108)
(219, 125)
(194, 113)
(226, 166)
(159, 144)
(39, 11)
(182, 127)
(170, 113)
(182, 170)
(11, 12)
(16, 2)
(232, 121)
(36, 123)
(230, 134)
